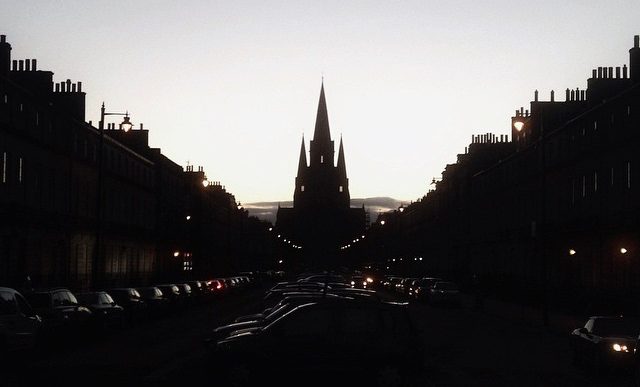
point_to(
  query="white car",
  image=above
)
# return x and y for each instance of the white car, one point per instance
(19, 324)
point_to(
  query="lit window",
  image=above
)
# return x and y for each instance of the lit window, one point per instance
(6, 99)
(20, 107)
(595, 125)
(302, 188)
(595, 181)
(628, 109)
(321, 159)
(20, 169)
(340, 189)
(4, 167)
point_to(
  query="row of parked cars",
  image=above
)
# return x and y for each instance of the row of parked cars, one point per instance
(309, 330)
(427, 289)
(33, 316)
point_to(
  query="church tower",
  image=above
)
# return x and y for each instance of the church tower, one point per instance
(321, 219)
(321, 184)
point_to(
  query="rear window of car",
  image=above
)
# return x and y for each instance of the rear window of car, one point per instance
(88, 298)
(7, 304)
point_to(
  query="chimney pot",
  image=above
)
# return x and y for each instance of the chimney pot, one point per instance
(141, 126)
(636, 41)
(624, 71)
(57, 87)
(611, 72)
(27, 65)
(79, 87)
(3, 38)
(73, 88)
(20, 65)
(535, 96)
(599, 72)
(567, 95)
(617, 71)
(15, 65)
(34, 65)
(594, 73)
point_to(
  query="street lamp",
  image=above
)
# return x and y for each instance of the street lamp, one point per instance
(125, 125)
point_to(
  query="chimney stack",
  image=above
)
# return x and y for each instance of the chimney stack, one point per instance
(634, 59)
(5, 56)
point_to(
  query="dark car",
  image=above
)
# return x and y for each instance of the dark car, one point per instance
(132, 302)
(172, 293)
(154, 299)
(19, 323)
(605, 341)
(369, 341)
(105, 312)
(444, 292)
(60, 311)
(422, 287)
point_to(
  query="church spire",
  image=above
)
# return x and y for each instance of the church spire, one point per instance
(302, 163)
(321, 132)
(342, 168)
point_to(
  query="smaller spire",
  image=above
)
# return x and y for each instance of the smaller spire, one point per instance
(342, 168)
(302, 162)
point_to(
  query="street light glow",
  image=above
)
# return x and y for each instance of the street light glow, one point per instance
(205, 182)
(176, 253)
(188, 217)
(623, 250)
(382, 222)
(572, 252)
(518, 125)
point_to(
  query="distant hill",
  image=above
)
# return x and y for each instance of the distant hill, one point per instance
(268, 210)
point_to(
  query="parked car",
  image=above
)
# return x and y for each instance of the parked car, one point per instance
(132, 302)
(605, 341)
(154, 299)
(371, 341)
(444, 292)
(60, 311)
(105, 312)
(422, 287)
(172, 293)
(19, 323)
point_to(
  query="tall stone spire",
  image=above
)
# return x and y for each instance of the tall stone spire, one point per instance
(302, 163)
(321, 133)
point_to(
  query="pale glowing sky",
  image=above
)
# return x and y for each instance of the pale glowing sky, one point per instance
(232, 85)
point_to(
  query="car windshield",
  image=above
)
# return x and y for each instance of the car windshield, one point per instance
(615, 327)
(88, 298)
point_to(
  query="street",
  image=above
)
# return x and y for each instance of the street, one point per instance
(465, 347)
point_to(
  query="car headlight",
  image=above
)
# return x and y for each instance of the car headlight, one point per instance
(620, 348)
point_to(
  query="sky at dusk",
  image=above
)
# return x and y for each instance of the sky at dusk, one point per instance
(233, 85)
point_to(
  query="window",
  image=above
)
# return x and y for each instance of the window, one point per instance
(7, 304)
(20, 107)
(4, 167)
(321, 159)
(595, 181)
(595, 125)
(302, 188)
(611, 175)
(37, 118)
(20, 169)
(628, 110)
(6, 99)
(340, 189)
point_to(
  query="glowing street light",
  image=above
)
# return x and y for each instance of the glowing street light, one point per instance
(382, 222)
(518, 125)
(623, 250)
(572, 252)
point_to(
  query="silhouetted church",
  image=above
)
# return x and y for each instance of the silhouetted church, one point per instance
(321, 219)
